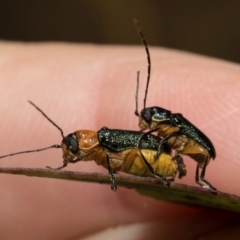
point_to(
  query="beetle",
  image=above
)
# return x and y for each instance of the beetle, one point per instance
(174, 129)
(117, 150)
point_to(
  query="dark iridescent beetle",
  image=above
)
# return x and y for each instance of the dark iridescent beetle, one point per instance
(117, 150)
(174, 129)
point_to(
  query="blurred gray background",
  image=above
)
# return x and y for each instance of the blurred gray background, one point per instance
(209, 27)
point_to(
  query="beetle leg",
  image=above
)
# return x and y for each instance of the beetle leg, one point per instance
(58, 168)
(202, 175)
(165, 180)
(139, 146)
(82, 156)
(112, 178)
(213, 189)
(65, 162)
(163, 141)
(197, 176)
(181, 166)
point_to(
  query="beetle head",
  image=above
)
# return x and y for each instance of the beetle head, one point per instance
(70, 146)
(149, 116)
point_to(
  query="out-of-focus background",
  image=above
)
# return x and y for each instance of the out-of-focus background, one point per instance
(209, 27)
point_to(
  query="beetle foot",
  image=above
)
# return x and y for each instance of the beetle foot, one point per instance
(182, 171)
(59, 168)
(114, 186)
(166, 182)
(209, 185)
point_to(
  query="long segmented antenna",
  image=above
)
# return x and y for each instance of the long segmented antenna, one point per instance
(41, 149)
(53, 123)
(29, 151)
(136, 96)
(148, 59)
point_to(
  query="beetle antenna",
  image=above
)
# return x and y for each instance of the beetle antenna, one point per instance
(148, 59)
(53, 123)
(136, 96)
(30, 151)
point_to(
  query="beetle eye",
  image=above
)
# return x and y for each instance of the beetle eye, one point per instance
(71, 143)
(147, 115)
(73, 146)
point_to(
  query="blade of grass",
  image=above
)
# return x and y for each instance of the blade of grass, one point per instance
(152, 187)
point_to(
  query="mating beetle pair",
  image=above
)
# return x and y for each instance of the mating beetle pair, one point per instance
(117, 150)
(138, 153)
